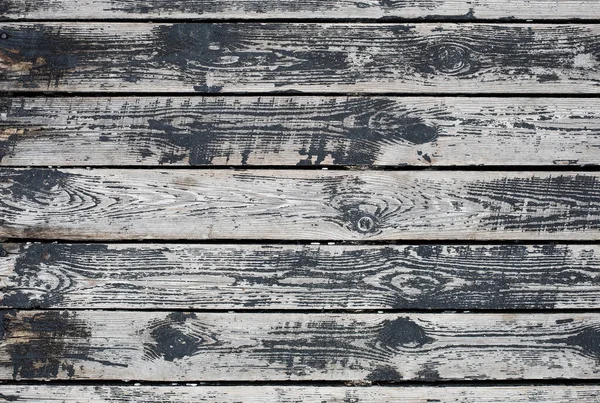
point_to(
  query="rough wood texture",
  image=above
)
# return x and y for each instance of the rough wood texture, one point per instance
(169, 276)
(295, 394)
(251, 57)
(295, 205)
(268, 9)
(179, 346)
(298, 130)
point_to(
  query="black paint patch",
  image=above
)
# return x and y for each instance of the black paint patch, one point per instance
(545, 78)
(41, 51)
(314, 346)
(46, 343)
(30, 184)
(550, 204)
(173, 340)
(588, 340)
(429, 374)
(376, 123)
(402, 333)
(384, 373)
(193, 49)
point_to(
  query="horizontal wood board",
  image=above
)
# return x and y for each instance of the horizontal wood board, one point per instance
(180, 346)
(295, 394)
(460, 10)
(107, 204)
(307, 57)
(299, 131)
(184, 276)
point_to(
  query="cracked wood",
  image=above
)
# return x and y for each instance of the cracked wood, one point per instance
(312, 57)
(179, 276)
(299, 130)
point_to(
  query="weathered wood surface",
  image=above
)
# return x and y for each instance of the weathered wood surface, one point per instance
(295, 394)
(299, 130)
(179, 346)
(315, 57)
(177, 276)
(107, 204)
(269, 9)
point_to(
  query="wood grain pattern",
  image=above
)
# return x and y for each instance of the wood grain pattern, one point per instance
(299, 130)
(179, 346)
(312, 57)
(295, 394)
(179, 276)
(268, 9)
(310, 204)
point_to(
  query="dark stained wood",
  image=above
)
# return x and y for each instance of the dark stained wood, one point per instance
(170, 276)
(315, 57)
(299, 130)
(306, 394)
(107, 204)
(180, 346)
(460, 10)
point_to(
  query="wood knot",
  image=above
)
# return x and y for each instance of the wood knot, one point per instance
(365, 223)
(451, 59)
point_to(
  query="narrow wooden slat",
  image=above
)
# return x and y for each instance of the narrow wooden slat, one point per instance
(251, 57)
(310, 205)
(294, 394)
(183, 346)
(299, 130)
(177, 276)
(296, 205)
(194, 9)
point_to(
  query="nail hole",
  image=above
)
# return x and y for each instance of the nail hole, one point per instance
(365, 224)
(4, 35)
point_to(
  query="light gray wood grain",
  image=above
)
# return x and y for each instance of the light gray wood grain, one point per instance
(179, 346)
(311, 57)
(294, 394)
(297, 204)
(268, 9)
(299, 130)
(179, 276)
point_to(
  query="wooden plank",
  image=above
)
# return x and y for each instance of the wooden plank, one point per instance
(268, 9)
(179, 276)
(307, 394)
(299, 130)
(314, 57)
(180, 346)
(297, 204)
